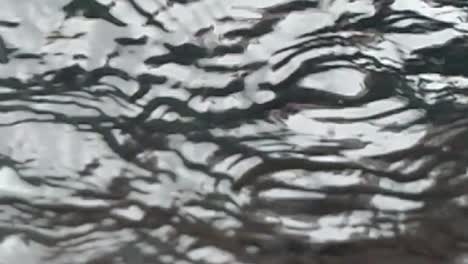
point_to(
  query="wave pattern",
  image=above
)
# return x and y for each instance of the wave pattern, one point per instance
(299, 131)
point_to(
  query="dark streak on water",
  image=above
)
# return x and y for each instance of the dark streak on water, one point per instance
(233, 131)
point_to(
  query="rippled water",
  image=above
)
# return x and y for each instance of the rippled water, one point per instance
(234, 131)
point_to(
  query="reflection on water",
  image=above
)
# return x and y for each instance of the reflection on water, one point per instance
(215, 131)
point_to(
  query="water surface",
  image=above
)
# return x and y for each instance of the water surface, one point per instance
(203, 131)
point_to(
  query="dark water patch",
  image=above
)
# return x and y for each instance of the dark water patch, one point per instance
(130, 41)
(92, 9)
(8, 24)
